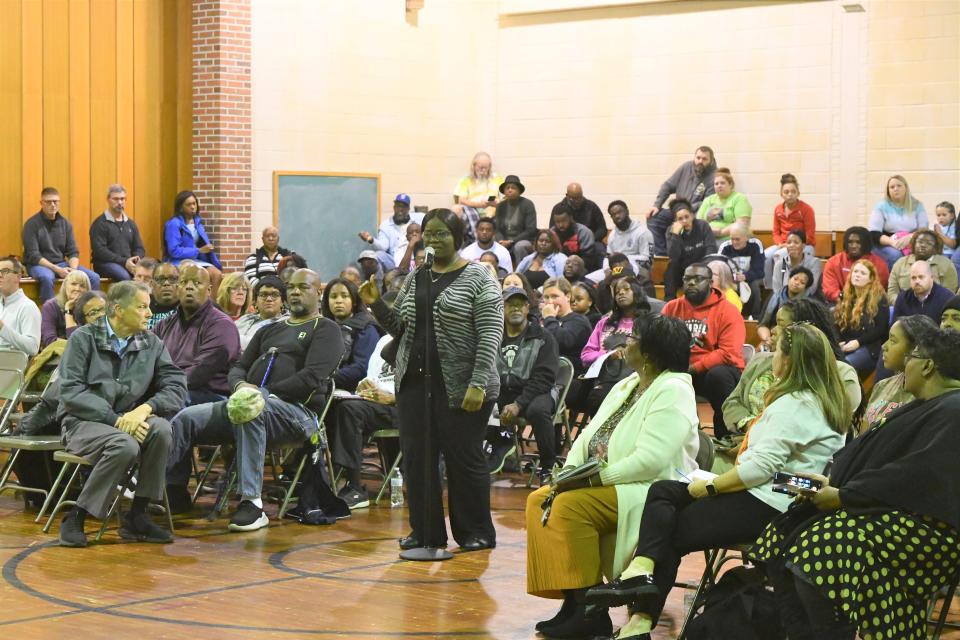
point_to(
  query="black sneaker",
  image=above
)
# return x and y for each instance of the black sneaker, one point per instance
(499, 453)
(139, 527)
(248, 517)
(71, 531)
(355, 498)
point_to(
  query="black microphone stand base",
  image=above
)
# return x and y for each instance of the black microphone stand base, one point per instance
(426, 554)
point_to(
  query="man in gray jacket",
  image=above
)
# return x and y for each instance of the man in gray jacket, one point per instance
(118, 387)
(692, 181)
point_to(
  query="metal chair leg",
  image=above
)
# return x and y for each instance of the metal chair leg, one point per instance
(166, 505)
(51, 493)
(63, 496)
(293, 485)
(115, 505)
(202, 478)
(388, 477)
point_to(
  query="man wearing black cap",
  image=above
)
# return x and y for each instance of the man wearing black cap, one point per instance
(951, 315)
(391, 240)
(527, 362)
(516, 220)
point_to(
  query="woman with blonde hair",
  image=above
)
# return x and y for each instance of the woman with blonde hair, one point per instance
(895, 219)
(863, 317)
(56, 314)
(723, 280)
(725, 206)
(803, 423)
(234, 297)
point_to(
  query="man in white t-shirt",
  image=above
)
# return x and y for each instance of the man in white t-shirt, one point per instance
(486, 234)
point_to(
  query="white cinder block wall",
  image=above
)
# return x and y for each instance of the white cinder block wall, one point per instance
(612, 97)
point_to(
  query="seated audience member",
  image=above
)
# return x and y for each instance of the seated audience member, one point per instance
(621, 267)
(486, 231)
(118, 388)
(184, 238)
(583, 300)
(414, 240)
(375, 407)
(352, 274)
(946, 230)
(56, 314)
(144, 270)
(895, 219)
(799, 286)
(723, 281)
(889, 394)
(645, 430)
(576, 239)
(476, 194)
(89, 307)
(527, 363)
(269, 296)
(803, 423)
(520, 280)
(585, 212)
(747, 254)
(574, 269)
(115, 242)
(794, 255)
(490, 258)
(391, 242)
(716, 357)
(688, 241)
(342, 304)
(265, 261)
(419, 254)
(924, 295)
(950, 319)
(294, 260)
(863, 317)
(608, 340)
(201, 339)
(546, 261)
(884, 526)
(516, 220)
(570, 329)
(927, 246)
(49, 246)
(857, 245)
(164, 298)
(725, 207)
(793, 214)
(692, 181)
(745, 403)
(393, 280)
(20, 318)
(234, 295)
(629, 237)
(368, 265)
(287, 366)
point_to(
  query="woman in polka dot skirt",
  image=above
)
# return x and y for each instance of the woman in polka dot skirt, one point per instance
(867, 551)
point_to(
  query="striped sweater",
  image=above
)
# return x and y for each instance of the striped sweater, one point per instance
(468, 319)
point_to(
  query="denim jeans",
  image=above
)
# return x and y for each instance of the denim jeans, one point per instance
(46, 277)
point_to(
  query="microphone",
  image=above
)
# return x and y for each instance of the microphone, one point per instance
(428, 255)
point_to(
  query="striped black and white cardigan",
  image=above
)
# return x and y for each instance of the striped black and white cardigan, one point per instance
(468, 319)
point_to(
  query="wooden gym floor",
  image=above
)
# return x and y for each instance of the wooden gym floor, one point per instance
(287, 581)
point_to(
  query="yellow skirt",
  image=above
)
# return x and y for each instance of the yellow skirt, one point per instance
(565, 554)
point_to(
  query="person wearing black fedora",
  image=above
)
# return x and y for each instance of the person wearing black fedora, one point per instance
(516, 219)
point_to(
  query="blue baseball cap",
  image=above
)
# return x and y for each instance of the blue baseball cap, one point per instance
(402, 197)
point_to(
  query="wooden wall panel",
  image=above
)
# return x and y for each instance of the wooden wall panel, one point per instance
(31, 142)
(11, 162)
(94, 92)
(77, 199)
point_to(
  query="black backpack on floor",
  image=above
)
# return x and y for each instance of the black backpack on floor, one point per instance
(739, 607)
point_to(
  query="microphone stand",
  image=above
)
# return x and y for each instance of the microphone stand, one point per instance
(428, 554)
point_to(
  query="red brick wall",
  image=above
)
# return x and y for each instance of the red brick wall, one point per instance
(222, 124)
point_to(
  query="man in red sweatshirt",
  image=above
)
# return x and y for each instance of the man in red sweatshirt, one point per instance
(718, 334)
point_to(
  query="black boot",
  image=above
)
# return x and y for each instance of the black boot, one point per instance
(569, 605)
(71, 529)
(581, 625)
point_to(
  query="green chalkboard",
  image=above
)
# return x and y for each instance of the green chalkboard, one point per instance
(320, 214)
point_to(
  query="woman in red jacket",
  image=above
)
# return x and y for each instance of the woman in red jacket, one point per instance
(792, 214)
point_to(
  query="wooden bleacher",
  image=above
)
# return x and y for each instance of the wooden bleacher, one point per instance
(32, 288)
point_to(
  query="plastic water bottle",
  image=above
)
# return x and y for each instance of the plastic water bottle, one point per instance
(396, 490)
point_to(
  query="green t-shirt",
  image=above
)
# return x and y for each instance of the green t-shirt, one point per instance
(735, 206)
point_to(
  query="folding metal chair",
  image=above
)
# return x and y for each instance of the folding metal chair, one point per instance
(16, 444)
(564, 380)
(71, 461)
(386, 434)
(13, 364)
(940, 622)
(320, 447)
(714, 561)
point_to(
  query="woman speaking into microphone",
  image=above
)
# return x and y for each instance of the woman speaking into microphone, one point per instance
(448, 321)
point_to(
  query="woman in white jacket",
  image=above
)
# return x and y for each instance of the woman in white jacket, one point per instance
(802, 425)
(645, 430)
